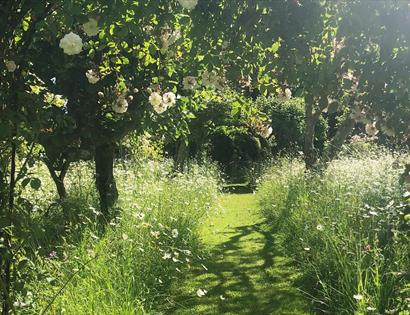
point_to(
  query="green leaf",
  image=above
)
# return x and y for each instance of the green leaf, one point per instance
(35, 183)
(25, 182)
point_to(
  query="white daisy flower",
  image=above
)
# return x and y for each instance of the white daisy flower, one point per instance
(358, 297)
(201, 292)
(140, 215)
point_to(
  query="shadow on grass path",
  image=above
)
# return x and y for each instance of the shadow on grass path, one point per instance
(246, 273)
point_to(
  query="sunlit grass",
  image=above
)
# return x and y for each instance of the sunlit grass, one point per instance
(245, 273)
(344, 227)
(128, 267)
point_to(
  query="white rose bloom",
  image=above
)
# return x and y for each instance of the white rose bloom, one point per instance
(265, 131)
(268, 132)
(91, 27)
(71, 43)
(164, 48)
(149, 29)
(188, 4)
(155, 99)
(288, 93)
(169, 99)
(357, 113)
(165, 35)
(206, 78)
(189, 83)
(219, 84)
(175, 35)
(10, 65)
(92, 76)
(120, 106)
(168, 38)
(160, 108)
(210, 79)
(245, 81)
(371, 129)
(157, 103)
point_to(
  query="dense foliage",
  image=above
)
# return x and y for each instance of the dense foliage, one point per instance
(77, 77)
(287, 118)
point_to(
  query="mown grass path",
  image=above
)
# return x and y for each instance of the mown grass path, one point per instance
(246, 273)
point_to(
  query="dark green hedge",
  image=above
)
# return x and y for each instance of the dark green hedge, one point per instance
(288, 124)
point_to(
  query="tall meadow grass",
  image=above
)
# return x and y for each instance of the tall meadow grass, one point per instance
(127, 267)
(344, 227)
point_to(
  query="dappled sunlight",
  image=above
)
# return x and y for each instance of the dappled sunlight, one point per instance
(123, 123)
(246, 273)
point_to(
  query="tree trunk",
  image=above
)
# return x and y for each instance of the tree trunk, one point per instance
(3, 252)
(105, 181)
(310, 155)
(62, 192)
(336, 143)
(58, 179)
(181, 155)
(8, 259)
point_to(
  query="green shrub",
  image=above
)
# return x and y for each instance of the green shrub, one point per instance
(224, 130)
(236, 152)
(128, 267)
(288, 124)
(344, 227)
